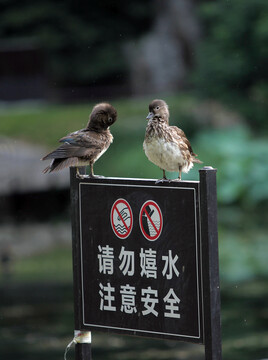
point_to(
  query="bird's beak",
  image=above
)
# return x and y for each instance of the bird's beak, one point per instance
(150, 116)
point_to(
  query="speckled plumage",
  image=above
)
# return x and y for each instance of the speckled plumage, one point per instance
(84, 147)
(167, 146)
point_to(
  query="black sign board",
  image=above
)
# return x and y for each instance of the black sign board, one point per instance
(138, 261)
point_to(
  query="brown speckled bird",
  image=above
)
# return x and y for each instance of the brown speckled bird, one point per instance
(167, 146)
(84, 147)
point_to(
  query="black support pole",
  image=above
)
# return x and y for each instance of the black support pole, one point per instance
(82, 351)
(210, 263)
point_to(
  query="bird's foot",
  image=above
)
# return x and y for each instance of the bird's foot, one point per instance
(96, 176)
(90, 176)
(80, 176)
(164, 179)
(176, 180)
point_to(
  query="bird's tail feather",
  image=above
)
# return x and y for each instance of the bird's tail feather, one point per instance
(197, 161)
(46, 170)
(59, 153)
(59, 164)
(64, 151)
(48, 156)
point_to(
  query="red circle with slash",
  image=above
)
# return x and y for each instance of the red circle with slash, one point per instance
(121, 218)
(151, 220)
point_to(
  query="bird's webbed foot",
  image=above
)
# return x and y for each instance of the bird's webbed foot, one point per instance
(90, 176)
(93, 176)
(80, 176)
(179, 177)
(176, 180)
(163, 180)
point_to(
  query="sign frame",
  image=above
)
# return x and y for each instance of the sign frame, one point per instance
(209, 255)
(91, 234)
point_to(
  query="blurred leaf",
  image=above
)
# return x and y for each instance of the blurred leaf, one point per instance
(241, 164)
(243, 255)
(232, 58)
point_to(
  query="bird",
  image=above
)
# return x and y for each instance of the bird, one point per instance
(167, 146)
(84, 147)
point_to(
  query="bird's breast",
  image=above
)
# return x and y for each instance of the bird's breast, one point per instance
(99, 154)
(167, 155)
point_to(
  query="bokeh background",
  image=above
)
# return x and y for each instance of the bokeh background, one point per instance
(208, 60)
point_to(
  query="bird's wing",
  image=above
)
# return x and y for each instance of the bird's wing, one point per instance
(180, 136)
(82, 143)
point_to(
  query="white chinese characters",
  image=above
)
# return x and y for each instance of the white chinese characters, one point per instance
(150, 299)
(127, 262)
(148, 263)
(107, 298)
(170, 267)
(106, 257)
(126, 297)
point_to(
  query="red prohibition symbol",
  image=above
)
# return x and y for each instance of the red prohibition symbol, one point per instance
(121, 218)
(151, 220)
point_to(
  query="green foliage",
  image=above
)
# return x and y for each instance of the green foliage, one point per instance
(232, 59)
(243, 254)
(81, 40)
(240, 159)
(51, 265)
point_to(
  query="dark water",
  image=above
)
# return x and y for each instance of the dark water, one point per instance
(37, 323)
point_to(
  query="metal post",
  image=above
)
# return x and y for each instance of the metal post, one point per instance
(210, 263)
(82, 351)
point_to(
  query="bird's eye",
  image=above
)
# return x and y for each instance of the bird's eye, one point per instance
(158, 107)
(110, 120)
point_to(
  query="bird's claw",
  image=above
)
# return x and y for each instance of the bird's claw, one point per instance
(162, 180)
(176, 180)
(96, 176)
(79, 176)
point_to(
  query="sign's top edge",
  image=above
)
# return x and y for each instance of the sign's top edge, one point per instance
(140, 180)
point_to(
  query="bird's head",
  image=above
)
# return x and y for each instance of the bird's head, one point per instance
(102, 116)
(158, 109)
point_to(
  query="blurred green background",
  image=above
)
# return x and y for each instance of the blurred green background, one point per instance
(208, 60)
